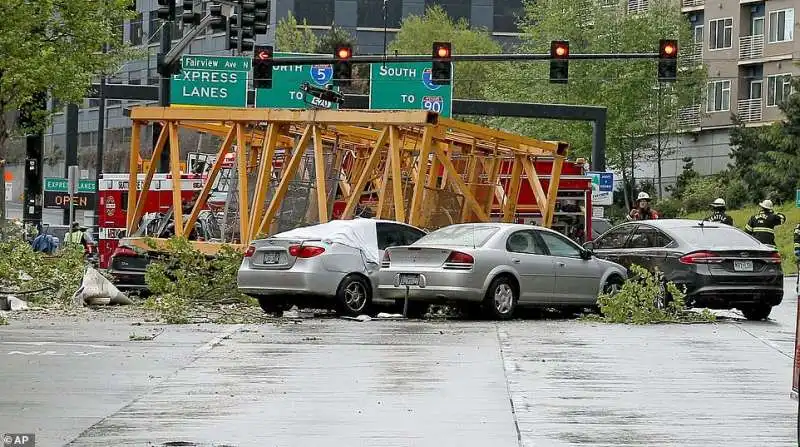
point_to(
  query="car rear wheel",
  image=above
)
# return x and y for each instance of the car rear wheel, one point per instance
(501, 299)
(612, 285)
(271, 305)
(756, 312)
(353, 297)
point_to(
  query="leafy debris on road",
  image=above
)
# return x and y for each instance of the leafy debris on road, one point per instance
(136, 337)
(3, 320)
(647, 299)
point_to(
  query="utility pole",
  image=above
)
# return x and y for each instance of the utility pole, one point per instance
(166, 12)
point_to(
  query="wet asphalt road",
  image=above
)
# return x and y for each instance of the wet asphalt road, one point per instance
(389, 383)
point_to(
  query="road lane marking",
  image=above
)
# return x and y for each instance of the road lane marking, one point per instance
(53, 353)
(218, 339)
(56, 343)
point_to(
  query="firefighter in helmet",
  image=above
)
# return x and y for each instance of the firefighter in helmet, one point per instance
(642, 211)
(718, 213)
(762, 225)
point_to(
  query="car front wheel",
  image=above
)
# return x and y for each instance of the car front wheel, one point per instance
(353, 296)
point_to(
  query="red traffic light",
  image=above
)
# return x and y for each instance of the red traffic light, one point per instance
(441, 50)
(264, 55)
(344, 52)
(559, 49)
(668, 49)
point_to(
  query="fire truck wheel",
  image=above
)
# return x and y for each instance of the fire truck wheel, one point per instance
(271, 305)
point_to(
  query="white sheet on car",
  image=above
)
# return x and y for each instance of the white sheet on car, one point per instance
(358, 233)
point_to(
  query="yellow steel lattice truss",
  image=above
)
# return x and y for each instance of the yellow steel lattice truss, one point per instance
(410, 166)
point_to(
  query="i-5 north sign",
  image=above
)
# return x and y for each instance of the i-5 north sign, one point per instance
(408, 86)
(286, 81)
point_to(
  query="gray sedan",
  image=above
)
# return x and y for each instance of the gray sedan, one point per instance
(498, 265)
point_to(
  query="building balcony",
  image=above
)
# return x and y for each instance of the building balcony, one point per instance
(636, 6)
(691, 5)
(694, 55)
(751, 47)
(689, 117)
(750, 110)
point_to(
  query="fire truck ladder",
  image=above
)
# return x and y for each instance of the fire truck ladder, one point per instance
(408, 163)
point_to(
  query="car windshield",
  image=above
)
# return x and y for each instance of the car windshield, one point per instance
(459, 235)
(715, 236)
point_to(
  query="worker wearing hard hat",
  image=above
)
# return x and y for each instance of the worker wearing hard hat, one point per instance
(718, 213)
(642, 211)
(762, 225)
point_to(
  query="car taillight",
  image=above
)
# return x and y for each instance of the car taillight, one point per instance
(700, 257)
(124, 251)
(774, 258)
(305, 251)
(387, 259)
(459, 260)
(250, 250)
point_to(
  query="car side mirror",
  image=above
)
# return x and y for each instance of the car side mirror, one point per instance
(589, 245)
(586, 255)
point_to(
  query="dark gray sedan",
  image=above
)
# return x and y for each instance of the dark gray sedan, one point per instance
(720, 266)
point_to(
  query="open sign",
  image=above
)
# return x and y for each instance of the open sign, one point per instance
(60, 200)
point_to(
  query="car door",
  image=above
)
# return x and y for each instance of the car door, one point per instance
(536, 270)
(646, 248)
(577, 280)
(611, 245)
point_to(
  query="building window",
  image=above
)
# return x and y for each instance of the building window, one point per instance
(720, 34)
(315, 12)
(781, 25)
(370, 13)
(155, 25)
(135, 28)
(719, 96)
(506, 15)
(779, 87)
(457, 9)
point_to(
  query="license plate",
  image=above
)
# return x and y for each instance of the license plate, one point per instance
(743, 266)
(271, 257)
(408, 279)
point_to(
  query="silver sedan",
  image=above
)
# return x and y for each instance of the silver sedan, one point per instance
(331, 265)
(498, 266)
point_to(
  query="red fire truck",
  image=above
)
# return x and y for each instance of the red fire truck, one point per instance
(113, 214)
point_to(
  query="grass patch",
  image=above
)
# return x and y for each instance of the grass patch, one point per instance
(784, 234)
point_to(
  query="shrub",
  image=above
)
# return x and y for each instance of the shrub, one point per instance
(642, 300)
(40, 278)
(183, 278)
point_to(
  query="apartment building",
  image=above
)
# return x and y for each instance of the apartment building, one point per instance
(750, 50)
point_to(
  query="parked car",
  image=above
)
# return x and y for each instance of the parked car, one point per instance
(334, 263)
(720, 266)
(127, 266)
(498, 266)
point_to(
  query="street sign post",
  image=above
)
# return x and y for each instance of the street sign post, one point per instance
(56, 194)
(602, 188)
(286, 81)
(215, 81)
(408, 86)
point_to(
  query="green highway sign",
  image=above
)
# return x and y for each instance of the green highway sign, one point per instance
(797, 198)
(286, 81)
(216, 81)
(55, 184)
(408, 86)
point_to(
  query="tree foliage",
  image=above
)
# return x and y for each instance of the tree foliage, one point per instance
(53, 46)
(417, 34)
(767, 159)
(290, 38)
(629, 88)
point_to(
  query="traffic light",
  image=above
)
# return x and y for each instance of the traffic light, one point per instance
(342, 67)
(188, 12)
(166, 10)
(236, 31)
(667, 60)
(441, 69)
(261, 16)
(559, 61)
(218, 21)
(262, 67)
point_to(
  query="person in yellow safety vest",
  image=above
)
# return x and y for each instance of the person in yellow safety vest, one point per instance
(75, 236)
(762, 225)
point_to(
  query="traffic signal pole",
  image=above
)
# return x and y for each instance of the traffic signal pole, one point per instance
(163, 91)
(372, 59)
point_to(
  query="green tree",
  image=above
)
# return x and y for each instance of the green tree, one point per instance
(290, 38)
(767, 159)
(638, 108)
(417, 34)
(53, 46)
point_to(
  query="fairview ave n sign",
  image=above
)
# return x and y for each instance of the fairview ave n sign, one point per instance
(216, 81)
